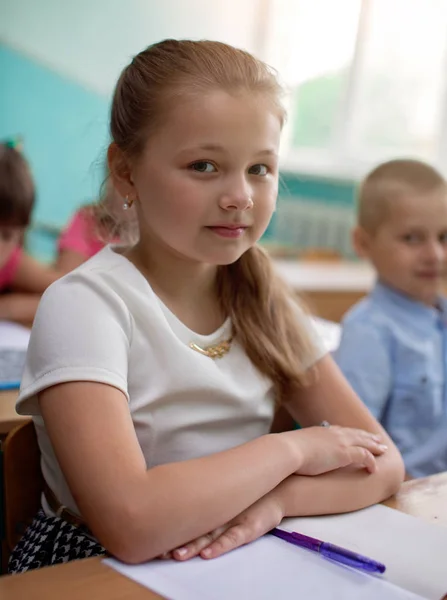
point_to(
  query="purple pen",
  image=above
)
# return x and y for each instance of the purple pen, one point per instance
(341, 555)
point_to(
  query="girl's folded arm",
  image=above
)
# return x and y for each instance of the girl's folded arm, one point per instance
(138, 513)
(330, 398)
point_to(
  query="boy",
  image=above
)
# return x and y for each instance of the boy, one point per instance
(393, 348)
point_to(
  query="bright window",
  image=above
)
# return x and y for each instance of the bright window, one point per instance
(367, 81)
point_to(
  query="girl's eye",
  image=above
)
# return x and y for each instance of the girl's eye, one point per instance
(443, 238)
(261, 170)
(203, 166)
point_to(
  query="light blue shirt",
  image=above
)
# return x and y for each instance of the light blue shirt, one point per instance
(393, 352)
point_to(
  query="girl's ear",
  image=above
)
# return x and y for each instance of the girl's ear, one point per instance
(120, 171)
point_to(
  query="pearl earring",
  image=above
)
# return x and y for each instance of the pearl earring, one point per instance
(127, 203)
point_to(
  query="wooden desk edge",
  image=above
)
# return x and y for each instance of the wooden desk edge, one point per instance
(73, 579)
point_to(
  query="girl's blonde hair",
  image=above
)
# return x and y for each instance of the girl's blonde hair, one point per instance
(257, 301)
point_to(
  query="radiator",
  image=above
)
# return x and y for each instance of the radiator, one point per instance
(301, 224)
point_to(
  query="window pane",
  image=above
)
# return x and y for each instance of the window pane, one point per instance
(312, 46)
(315, 106)
(400, 82)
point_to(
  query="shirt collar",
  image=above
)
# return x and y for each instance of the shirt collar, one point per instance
(409, 310)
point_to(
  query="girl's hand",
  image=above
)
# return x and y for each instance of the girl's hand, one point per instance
(251, 524)
(318, 450)
(323, 449)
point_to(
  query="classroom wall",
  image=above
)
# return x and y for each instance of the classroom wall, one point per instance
(90, 42)
(58, 64)
(64, 126)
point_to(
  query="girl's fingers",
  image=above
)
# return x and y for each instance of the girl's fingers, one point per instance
(362, 457)
(371, 441)
(193, 548)
(232, 538)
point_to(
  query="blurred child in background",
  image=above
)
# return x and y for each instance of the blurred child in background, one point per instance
(22, 278)
(393, 348)
(92, 227)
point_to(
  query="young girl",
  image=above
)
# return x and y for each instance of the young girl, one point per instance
(22, 279)
(90, 229)
(153, 373)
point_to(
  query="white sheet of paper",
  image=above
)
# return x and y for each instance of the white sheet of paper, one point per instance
(13, 336)
(264, 570)
(413, 551)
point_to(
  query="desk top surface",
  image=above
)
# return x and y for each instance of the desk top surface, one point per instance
(331, 276)
(425, 498)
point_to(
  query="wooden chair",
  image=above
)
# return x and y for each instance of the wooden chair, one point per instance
(22, 484)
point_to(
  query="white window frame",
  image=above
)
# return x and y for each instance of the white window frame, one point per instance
(337, 161)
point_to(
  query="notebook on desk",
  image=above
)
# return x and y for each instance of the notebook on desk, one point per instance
(14, 340)
(414, 552)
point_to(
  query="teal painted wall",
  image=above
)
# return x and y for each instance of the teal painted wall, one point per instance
(65, 132)
(90, 41)
(64, 127)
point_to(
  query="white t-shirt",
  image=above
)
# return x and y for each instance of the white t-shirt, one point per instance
(102, 322)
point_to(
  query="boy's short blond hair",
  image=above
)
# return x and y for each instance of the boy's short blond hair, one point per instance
(390, 181)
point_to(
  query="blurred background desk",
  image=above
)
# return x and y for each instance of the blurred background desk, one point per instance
(329, 288)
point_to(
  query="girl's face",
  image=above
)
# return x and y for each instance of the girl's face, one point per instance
(207, 182)
(10, 238)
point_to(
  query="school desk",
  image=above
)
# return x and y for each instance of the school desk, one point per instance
(329, 288)
(425, 498)
(8, 416)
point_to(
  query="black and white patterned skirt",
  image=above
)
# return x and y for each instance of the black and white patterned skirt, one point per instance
(51, 541)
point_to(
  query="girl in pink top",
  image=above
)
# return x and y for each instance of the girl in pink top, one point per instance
(22, 279)
(90, 229)
(80, 236)
(10, 266)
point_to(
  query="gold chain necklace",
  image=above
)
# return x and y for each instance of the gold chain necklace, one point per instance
(216, 351)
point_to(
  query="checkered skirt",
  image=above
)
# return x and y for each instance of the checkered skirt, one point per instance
(51, 541)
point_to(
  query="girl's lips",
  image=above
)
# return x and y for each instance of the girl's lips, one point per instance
(228, 231)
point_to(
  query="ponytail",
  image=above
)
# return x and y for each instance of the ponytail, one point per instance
(264, 318)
